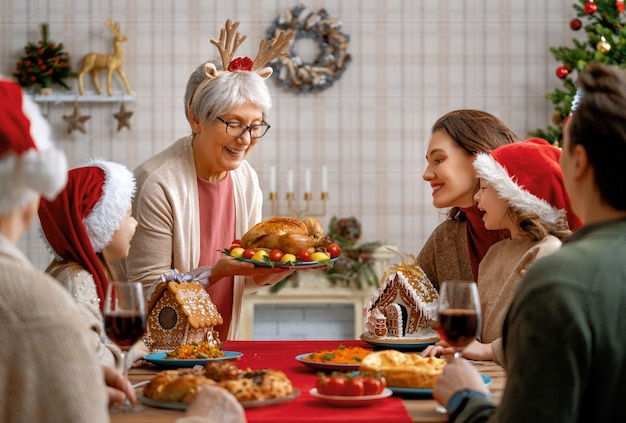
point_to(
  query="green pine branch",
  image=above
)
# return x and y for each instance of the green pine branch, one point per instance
(606, 22)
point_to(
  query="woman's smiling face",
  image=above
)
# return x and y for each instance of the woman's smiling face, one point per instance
(450, 172)
(215, 151)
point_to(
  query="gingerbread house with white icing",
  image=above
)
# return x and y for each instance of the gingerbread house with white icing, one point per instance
(180, 313)
(404, 306)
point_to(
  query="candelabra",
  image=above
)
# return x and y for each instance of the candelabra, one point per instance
(292, 205)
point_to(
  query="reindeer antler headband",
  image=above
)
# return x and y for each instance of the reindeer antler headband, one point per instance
(227, 45)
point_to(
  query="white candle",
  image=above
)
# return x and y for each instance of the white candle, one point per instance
(307, 180)
(324, 179)
(290, 180)
(272, 179)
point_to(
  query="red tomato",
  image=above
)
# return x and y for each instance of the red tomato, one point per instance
(236, 241)
(336, 385)
(354, 386)
(248, 253)
(321, 383)
(373, 384)
(333, 250)
(303, 255)
(233, 246)
(276, 254)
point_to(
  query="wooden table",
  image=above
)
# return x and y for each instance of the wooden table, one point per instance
(419, 409)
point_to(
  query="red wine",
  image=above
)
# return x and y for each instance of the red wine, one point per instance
(458, 327)
(124, 329)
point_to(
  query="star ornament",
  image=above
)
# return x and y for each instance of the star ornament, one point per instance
(76, 121)
(123, 118)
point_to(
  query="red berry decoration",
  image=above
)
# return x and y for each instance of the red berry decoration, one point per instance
(561, 72)
(575, 24)
(620, 6)
(590, 8)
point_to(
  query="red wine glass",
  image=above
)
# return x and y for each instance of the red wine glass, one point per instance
(458, 314)
(125, 324)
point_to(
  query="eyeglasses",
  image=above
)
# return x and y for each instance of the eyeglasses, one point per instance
(237, 129)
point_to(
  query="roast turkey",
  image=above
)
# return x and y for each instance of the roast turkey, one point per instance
(286, 233)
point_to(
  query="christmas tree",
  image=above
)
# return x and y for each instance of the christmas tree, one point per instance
(44, 63)
(605, 25)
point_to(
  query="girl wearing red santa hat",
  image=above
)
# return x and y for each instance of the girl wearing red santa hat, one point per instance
(521, 190)
(87, 226)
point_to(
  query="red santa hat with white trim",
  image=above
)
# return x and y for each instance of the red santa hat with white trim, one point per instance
(528, 176)
(29, 162)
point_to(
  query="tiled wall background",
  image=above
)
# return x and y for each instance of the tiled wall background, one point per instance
(413, 60)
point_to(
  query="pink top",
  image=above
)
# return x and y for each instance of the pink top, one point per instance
(217, 228)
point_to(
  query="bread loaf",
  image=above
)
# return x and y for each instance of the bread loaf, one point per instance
(404, 370)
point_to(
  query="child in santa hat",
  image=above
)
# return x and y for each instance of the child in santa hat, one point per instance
(88, 226)
(45, 345)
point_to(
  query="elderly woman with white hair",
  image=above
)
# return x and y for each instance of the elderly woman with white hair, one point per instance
(198, 195)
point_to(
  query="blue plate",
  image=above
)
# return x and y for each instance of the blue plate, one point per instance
(427, 392)
(400, 344)
(160, 360)
(290, 265)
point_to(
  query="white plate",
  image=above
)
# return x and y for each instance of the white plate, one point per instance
(160, 360)
(351, 401)
(245, 404)
(400, 344)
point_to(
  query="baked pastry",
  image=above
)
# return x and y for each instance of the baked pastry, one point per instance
(285, 233)
(246, 385)
(176, 385)
(404, 370)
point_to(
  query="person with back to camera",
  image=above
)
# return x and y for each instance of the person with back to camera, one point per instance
(522, 191)
(563, 333)
(87, 227)
(457, 245)
(198, 195)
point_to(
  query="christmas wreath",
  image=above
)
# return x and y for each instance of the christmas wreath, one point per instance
(330, 63)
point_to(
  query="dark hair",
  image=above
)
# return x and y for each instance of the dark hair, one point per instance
(476, 132)
(599, 126)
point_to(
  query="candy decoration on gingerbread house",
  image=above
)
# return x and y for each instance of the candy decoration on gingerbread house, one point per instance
(405, 304)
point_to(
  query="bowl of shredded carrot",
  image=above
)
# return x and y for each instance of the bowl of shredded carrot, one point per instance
(342, 358)
(195, 350)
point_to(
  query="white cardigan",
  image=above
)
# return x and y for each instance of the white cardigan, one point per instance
(167, 211)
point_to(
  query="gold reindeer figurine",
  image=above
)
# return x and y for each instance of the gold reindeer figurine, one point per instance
(95, 62)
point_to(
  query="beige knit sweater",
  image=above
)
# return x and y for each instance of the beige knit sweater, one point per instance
(444, 256)
(498, 278)
(48, 369)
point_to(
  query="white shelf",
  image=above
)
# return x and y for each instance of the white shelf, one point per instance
(89, 97)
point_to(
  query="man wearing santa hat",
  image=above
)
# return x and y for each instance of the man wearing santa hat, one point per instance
(45, 360)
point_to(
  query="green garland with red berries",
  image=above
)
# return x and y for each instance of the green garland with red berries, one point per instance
(44, 63)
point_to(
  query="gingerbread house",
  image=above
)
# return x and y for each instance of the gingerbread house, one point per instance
(180, 313)
(405, 304)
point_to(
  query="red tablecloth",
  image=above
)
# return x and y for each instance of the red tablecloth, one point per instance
(306, 408)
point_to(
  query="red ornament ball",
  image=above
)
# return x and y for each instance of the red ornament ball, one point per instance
(590, 8)
(576, 24)
(561, 72)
